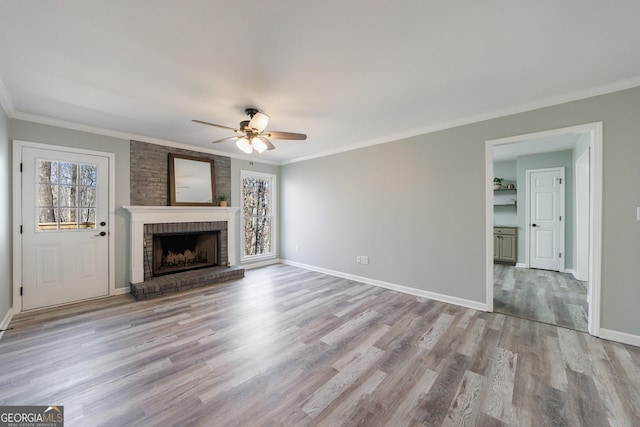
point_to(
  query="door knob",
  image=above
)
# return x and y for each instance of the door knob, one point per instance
(534, 225)
(102, 233)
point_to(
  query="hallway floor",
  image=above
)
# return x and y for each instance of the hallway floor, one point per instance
(546, 296)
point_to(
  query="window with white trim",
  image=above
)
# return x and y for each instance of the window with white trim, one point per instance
(258, 198)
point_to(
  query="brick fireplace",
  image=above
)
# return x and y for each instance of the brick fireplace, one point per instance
(172, 247)
(192, 262)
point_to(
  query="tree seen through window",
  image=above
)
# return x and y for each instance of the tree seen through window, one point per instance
(257, 199)
(66, 197)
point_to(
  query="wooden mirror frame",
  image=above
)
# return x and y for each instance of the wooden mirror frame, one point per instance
(183, 169)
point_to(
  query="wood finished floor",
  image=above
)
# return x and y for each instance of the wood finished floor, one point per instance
(286, 346)
(545, 296)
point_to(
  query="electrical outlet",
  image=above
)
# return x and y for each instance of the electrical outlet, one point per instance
(364, 259)
(358, 259)
(298, 248)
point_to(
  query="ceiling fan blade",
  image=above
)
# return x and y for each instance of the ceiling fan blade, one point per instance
(268, 143)
(284, 135)
(215, 125)
(259, 122)
(225, 139)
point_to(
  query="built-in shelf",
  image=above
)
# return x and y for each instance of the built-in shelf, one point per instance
(500, 201)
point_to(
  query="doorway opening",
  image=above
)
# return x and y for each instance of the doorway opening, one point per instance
(581, 256)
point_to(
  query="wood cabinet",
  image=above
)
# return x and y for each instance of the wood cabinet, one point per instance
(505, 245)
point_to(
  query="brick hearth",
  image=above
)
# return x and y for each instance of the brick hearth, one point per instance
(192, 279)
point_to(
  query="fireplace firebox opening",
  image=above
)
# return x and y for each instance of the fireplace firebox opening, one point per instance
(174, 252)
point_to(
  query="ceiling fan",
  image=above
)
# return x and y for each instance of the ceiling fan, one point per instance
(251, 135)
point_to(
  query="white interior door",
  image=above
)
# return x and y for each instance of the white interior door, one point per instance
(582, 216)
(546, 218)
(65, 234)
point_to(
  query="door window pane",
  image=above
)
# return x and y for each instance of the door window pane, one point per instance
(47, 219)
(87, 197)
(68, 173)
(46, 194)
(68, 218)
(88, 175)
(66, 201)
(47, 170)
(67, 195)
(87, 218)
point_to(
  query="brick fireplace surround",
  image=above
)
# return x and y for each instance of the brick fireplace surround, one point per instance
(145, 219)
(150, 230)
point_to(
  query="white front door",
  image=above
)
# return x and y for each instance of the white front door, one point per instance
(65, 230)
(546, 218)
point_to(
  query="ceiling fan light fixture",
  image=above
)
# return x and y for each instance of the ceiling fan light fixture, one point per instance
(251, 134)
(258, 144)
(244, 145)
(259, 122)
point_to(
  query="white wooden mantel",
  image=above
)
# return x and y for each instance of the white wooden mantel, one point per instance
(141, 215)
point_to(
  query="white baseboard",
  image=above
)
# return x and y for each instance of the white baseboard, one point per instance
(394, 287)
(257, 264)
(571, 272)
(521, 265)
(574, 273)
(6, 321)
(122, 291)
(621, 337)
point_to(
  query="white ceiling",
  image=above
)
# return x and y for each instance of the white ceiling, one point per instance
(347, 73)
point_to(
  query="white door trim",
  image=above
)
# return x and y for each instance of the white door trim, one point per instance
(582, 216)
(594, 131)
(527, 217)
(17, 212)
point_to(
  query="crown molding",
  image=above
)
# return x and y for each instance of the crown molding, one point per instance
(543, 103)
(7, 104)
(34, 118)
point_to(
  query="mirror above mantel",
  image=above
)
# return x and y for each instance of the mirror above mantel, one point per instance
(191, 181)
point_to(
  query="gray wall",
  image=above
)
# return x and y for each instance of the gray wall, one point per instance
(6, 256)
(541, 161)
(417, 206)
(34, 132)
(506, 170)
